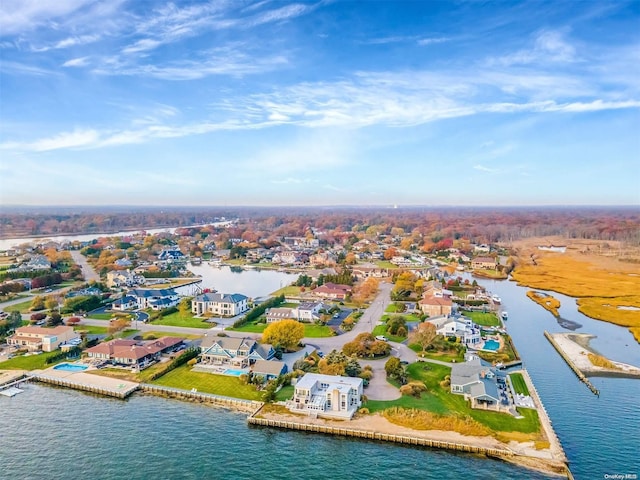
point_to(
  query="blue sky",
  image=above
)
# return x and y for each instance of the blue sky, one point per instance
(245, 102)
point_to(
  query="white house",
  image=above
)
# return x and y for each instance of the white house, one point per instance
(330, 396)
(459, 327)
(227, 304)
(156, 299)
(303, 312)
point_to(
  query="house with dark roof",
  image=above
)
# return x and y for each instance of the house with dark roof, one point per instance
(156, 299)
(269, 369)
(126, 302)
(232, 351)
(224, 304)
(477, 380)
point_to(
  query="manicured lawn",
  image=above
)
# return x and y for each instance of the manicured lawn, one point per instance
(488, 319)
(285, 393)
(382, 330)
(91, 330)
(100, 316)
(22, 307)
(153, 335)
(126, 374)
(393, 308)
(385, 264)
(519, 384)
(289, 291)
(310, 330)
(176, 320)
(439, 400)
(30, 362)
(183, 377)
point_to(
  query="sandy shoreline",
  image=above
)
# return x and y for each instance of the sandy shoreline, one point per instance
(576, 347)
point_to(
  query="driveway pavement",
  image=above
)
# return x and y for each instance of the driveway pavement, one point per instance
(87, 270)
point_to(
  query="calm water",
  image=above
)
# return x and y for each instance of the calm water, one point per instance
(252, 283)
(154, 438)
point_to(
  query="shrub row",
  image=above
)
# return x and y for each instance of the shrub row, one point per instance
(258, 310)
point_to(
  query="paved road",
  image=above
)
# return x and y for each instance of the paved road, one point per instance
(88, 271)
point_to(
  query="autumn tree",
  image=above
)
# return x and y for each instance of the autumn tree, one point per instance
(37, 303)
(184, 308)
(366, 290)
(394, 369)
(389, 253)
(404, 285)
(285, 333)
(117, 325)
(50, 303)
(424, 334)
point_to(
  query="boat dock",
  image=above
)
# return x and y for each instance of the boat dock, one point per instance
(572, 365)
(111, 387)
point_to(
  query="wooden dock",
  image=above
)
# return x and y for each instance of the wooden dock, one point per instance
(70, 382)
(572, 365)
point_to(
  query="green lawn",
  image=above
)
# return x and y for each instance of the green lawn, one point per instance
(91, 330)
(385, 264)
(100, 316)
(519, 384)
(182, 377)
(30, 362)
(393, 308)
(488, 319)
(176, 320)
(311, 330)
(285, 393)
(439, 400)
(155, 335)
(22, 307)
(288, 291)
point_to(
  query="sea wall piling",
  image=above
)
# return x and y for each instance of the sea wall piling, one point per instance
(572, 365)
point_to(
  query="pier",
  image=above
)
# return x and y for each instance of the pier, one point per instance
(572, 365)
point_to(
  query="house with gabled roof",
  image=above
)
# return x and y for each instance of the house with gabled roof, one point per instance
(232, 351)
(132, 353)
(225, 304)
(477, 381)
(156, 299)
(269, 369)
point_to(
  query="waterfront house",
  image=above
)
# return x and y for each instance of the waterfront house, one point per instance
(333, 291)
(234, 352)
(134, 354)
(156, 299)
(435, 306)
(226, 304)
(330, 396)
(477, 380)
(269, 369)
(488, 263)
(459, 327)
(123, 278)
(42, 338)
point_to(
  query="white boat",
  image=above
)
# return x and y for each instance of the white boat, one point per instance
(496, 299)
(504, 315)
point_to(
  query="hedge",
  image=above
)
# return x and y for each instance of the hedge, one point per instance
(255, 312)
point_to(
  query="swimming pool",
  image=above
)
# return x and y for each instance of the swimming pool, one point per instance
(491, 345)
(233, 372)
(68, 367)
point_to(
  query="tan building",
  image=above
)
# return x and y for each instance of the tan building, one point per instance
(42, 338)
(434, 306)
(484, 262)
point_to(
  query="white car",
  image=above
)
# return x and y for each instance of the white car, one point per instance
(382, 338)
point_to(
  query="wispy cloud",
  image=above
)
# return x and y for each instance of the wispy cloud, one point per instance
(17, 68)
(421, 41)
(67, 42)
(76, 62)
(23, 15)
(549, 46)
(290, 180)
(485, 169)
(431, 41)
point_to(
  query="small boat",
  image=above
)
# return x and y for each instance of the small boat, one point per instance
(504, 315)
(496, 299)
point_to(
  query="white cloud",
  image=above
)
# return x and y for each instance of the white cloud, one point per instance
(68, 42)
(431, 41)
(76, 62)
(21, 15)
(290, 180)
(549, 46)
(141, 46)
(483, 168)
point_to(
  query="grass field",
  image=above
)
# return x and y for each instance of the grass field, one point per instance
(183, 377)
(519, 385)
(30, 362)
(488, 319)
(176, 320)
(22, 307)
(440, 401)
(144, 376)
(600, 289)
(393, 308)
(154, 335)
(100, 316)
(91, 330)
(288, 291)
(285, 393)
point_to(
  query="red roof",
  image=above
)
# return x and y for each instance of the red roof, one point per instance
(134, 350)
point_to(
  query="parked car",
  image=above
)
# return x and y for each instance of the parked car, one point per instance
(382, 338)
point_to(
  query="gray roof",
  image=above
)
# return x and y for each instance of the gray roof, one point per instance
(228, 343)
(150, 292)
(484, 388)
(269, 367)
(221, 297)
(279, 313)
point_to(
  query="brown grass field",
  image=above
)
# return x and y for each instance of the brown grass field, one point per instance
(547, 302)
(603, 276)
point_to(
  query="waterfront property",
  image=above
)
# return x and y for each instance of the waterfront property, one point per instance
(134, 354)
(459, 327)
(488, 263)
(329, 396)
(233, 352)
(42, 338)
(480, 383)
(225, 304)
(155, 299)
(303, 312)
(434, 306)
(269, 368)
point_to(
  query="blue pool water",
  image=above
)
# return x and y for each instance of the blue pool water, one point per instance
(491, 345)
(234, 372)
(68, 367)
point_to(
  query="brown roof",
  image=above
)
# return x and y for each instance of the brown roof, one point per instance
(44, 330)
(436, 301)
(131, 349)
(26, 339)
(485, 259)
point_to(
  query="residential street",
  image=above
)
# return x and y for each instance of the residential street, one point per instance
(88, 271)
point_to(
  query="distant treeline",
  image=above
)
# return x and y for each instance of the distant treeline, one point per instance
(482, 224)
